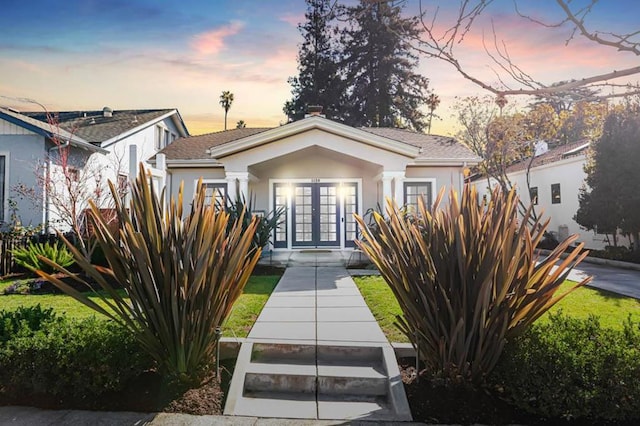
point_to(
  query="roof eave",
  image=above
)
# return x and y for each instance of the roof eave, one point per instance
(446, 162)
(137, 129)
(313, 123)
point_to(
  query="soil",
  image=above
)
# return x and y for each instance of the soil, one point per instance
(147, 393)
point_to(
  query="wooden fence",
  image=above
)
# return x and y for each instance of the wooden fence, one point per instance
(9, 242)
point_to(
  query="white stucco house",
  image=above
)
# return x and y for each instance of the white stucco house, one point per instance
(322, 171)
(556, 176)
(99, 145)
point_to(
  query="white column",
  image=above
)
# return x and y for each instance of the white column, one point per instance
(133, 161)
(386, 189)
(243, 180)
(231, 187)
(398, 192)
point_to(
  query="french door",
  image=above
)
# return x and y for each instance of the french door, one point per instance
(315, 217)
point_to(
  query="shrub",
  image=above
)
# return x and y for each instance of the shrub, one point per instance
(30, 257)
(71, 358)
(243, 211)
(466, 277)
(24, 321)
(182, 275)
(574, 369)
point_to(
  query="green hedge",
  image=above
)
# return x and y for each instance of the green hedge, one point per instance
(573, 369)
(41, 352)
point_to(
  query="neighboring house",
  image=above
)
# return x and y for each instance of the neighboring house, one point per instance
(556, 176)
(320, 170)
(100, 145)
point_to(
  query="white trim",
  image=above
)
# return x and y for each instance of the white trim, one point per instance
(7, 177)
(137, 129)
(311, 123)
(432, 181)
(214, 181)
(341, 222)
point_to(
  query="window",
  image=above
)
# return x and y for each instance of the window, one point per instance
(173, 137)
(414, 190)
(215, 193)
(167, 141)
(280, 193)
(555, 193)
(159, 135)
(533, 195)
(3, 160)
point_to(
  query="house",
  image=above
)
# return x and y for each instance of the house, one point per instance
(322, 171)
(32, 152)
(556, 175)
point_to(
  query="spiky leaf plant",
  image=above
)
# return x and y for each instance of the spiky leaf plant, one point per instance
(29, 256)
(182, 274)
(466, 276)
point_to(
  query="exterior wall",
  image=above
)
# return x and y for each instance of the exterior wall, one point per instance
(189, 176)
(24, 150)
(445, 177)
(569, 173)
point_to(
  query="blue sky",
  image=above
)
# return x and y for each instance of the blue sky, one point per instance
(86, 54)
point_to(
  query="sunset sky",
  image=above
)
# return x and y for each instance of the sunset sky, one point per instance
(125, 54)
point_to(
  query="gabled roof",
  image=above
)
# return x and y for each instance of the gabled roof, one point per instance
(47, 129)
(553, 155)
(95, 128)
(419, 146)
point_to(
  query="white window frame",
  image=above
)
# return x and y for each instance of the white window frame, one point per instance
(409, 181)
(158, 137)
(216, 182)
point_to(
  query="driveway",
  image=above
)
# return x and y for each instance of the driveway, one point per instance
(621, 281)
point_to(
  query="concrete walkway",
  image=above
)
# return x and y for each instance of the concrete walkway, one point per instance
(317, 306)
(317, 352)
(621, 281)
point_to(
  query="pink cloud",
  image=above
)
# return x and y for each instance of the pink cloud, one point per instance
(292, 19)
(212, 42)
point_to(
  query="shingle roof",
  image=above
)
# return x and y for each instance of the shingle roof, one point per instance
(433, 146)
(93, 127)
(554, 154)
(195, 147)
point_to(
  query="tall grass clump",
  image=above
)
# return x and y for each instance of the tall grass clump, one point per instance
(181, 272)
(466, 276)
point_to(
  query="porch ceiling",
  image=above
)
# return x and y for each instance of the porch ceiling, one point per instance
(315, 161)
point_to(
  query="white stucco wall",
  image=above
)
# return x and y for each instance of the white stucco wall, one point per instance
(569, 173)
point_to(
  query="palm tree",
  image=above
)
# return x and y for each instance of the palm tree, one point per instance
(241, 124)
(226, 99)
(432, 103)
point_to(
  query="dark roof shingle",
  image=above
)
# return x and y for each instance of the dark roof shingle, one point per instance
(195, 147)
(553, 155)
(93, 127)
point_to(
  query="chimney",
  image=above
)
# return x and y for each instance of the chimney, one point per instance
(107, 112)
(314, 111)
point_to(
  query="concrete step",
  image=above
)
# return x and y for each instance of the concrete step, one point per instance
(287, 378)
(276, 353)
(271, 404)
(351, 408)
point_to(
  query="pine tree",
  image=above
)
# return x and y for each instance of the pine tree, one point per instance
(384, 89)
(318, 81)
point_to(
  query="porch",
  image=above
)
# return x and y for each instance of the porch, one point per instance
(314, 257)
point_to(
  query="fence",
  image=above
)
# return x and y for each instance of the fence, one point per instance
(10, 242)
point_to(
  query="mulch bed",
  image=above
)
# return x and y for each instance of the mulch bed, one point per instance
(147, 393)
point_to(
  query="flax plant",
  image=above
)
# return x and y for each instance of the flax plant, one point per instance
(466, 276)
(182, 274)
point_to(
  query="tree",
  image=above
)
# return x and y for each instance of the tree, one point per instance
(612, 174)
(441, 39)
(226, 99)
(318, 81)
(433, 101)
(384, 89)
(241, 124)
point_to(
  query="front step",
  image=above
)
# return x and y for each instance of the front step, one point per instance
(342, 382)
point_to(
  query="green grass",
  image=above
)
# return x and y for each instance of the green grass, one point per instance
(612, 309)
(249, 305)
(243, 315)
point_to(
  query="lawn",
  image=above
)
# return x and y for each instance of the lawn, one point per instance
(612, 309)
(243, 315)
